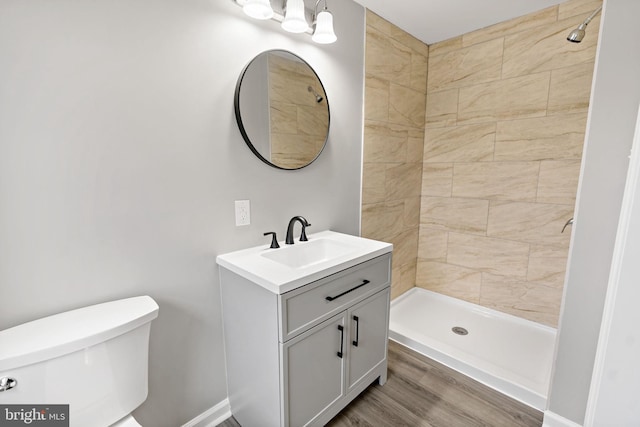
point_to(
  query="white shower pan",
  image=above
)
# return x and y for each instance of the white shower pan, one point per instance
(507, 353)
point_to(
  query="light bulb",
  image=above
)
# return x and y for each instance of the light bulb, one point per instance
(294, 19)
(324, 33)
(258, 9)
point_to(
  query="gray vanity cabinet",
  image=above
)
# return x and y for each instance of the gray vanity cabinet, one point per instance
(370, 330)
(298, 358)
(313, 373)
(334, 358)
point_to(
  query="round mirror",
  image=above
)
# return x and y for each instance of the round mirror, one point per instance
(282, 110)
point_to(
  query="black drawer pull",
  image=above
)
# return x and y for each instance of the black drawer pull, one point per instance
(341, 329)
(346, 292)
(357, 320)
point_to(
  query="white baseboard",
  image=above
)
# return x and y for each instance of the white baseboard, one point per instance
(216, 415)
(554, 420)
(212, 416)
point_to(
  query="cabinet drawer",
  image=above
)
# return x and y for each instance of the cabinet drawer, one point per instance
(307, 306)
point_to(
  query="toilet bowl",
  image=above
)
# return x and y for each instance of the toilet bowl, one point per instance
(95, 359)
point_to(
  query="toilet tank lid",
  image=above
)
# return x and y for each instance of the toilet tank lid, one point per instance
(71, 331)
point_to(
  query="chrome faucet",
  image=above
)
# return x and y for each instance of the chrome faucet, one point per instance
(292, 222)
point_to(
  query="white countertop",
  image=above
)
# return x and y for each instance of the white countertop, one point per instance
(280, 278)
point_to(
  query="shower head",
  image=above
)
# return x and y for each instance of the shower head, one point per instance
(578, 34)
(318, 97)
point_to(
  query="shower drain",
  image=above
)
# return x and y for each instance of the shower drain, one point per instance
(459, 330)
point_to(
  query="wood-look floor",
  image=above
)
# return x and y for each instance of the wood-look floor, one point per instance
(422, 393)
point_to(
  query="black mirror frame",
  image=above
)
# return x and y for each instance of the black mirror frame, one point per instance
(243, 132)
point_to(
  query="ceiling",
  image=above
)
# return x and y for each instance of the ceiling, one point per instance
(436, 20)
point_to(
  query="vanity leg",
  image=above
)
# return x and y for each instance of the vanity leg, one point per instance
(383, 377)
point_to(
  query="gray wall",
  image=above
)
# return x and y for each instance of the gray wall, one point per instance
(611, 124)
(120, 161)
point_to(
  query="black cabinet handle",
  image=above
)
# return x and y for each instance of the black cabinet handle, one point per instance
(341, 329)
(346, 292)
(355, 318)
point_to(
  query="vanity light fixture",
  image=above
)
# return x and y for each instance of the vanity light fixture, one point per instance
(293, 17)
(258, 9)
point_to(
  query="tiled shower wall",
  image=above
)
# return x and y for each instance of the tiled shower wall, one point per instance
(395, 102)
(505, 122)
(505, 118)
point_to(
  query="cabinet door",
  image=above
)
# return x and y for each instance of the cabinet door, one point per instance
(368, 325)
(313, 365)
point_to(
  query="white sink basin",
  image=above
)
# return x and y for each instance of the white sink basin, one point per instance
(284, 269)
(303, 254)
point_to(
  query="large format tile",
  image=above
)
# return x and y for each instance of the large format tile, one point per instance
(403, 181)
(385, 143)
(496, 180)
(415, 147)
(453, 214)
(419, 72)
(547, 265)
(471, 143)
(532, 301)
(380, 24)
(403, 278)
(395, 56)
(391, 143)
(387, 59)
(546, 48)
(372, 195)
(405, 246)
(556, 138)
(432, 245)
(488, 255)
(380, 220)
(373, 179)
(577, 8)
(558, 181)
(376, 100)
(412, 212)
(534, 223)
(480, 63)
(570, 89)
(406, 106)
(532, 20)
(507, 99)
(406, 39)
(373, 174)
(452, 280)
(437, 179)
(445, 46)
(442, 108)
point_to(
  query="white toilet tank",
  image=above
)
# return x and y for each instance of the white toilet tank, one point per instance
(94, 358)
